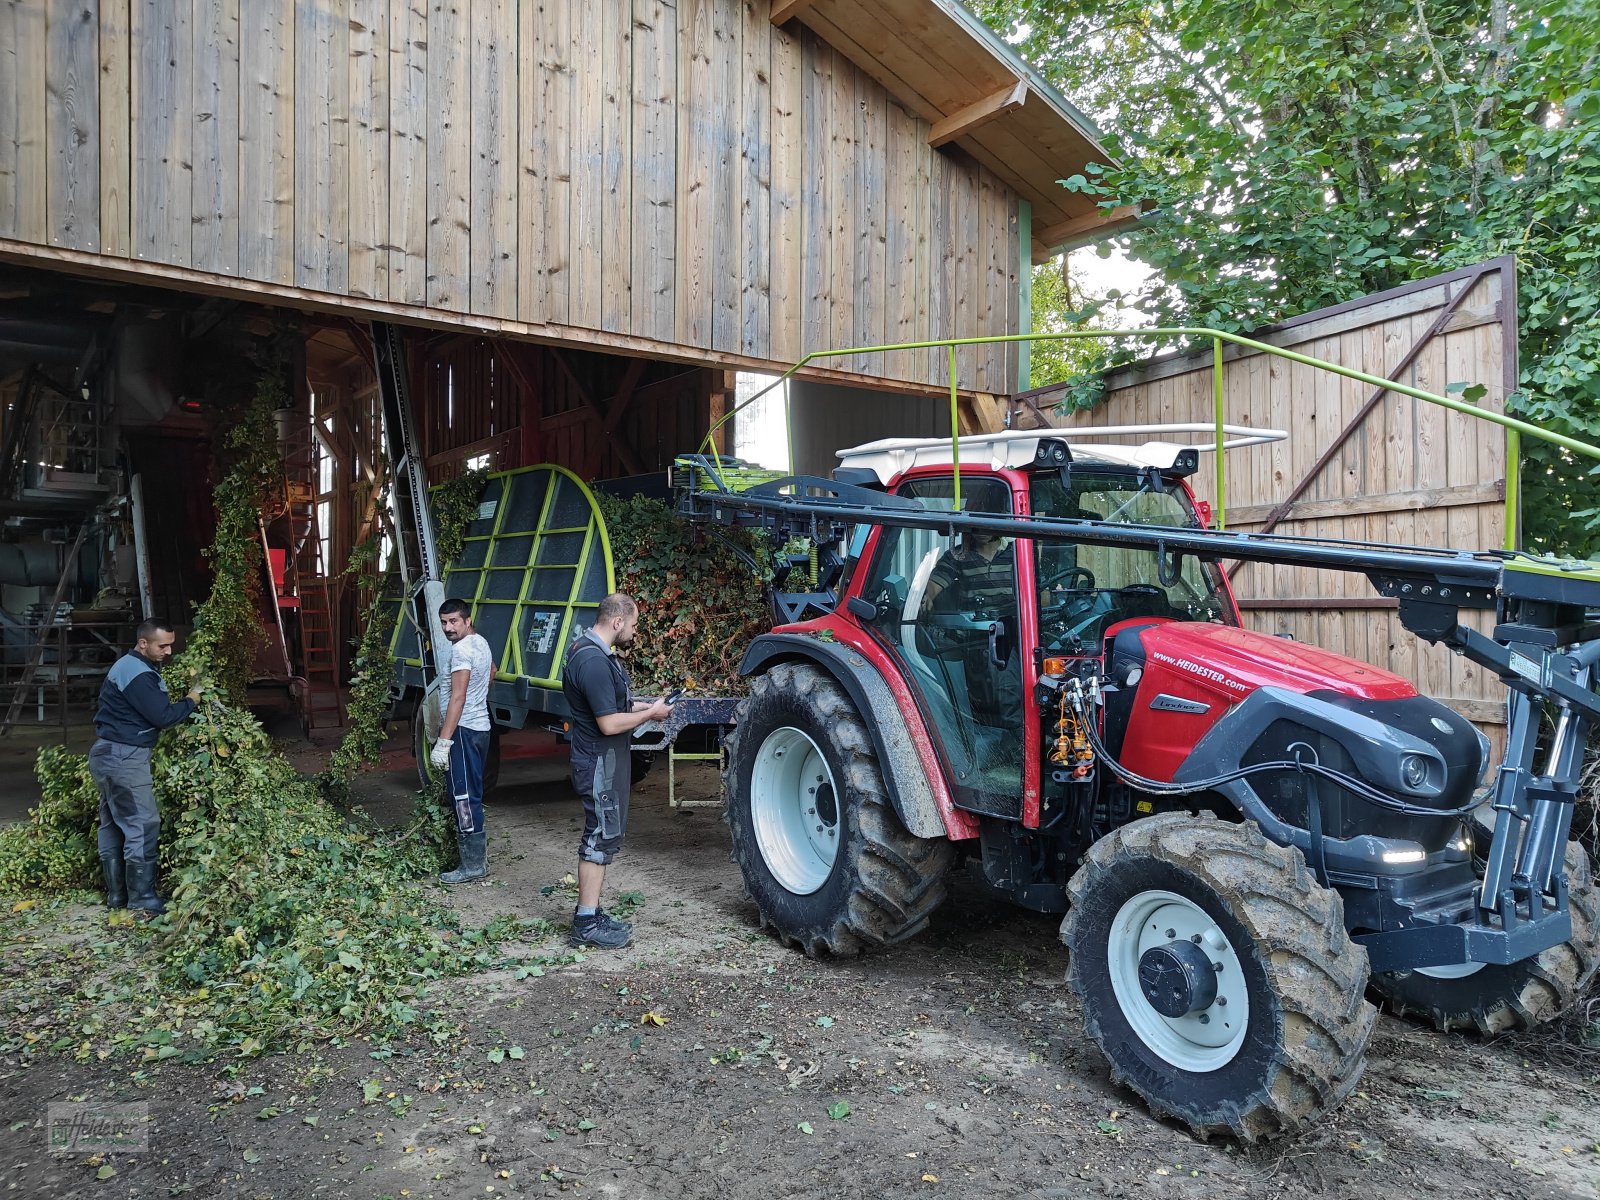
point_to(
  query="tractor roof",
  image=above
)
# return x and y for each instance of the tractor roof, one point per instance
(1017, 449)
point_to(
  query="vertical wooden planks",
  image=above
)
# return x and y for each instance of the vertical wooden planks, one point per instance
(449, 155)
(846, 169)
(493, 252)
(533, 295)
(368, 81)
(755, 192)
(869, 296)
(788, 175)
(266, 141)
(697, 170)
(588, 232)
(961, 225)
(983, 289)
(557, 70)
(72, 116)
(616, 141)
(900, 275)
(116, 231)
(941, 266)
(23, 151)
(655, 169)
(408, 151)
(815, 195)
(321, 168)
(163, 122)
(214, 201)
(722, 260)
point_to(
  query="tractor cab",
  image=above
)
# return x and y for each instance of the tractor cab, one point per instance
(969, 617)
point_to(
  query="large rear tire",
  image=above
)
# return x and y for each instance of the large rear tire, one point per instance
(1216, 976)
(1495, 998)
(824, 856)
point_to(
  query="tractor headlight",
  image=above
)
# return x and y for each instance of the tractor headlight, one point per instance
(1414, 772)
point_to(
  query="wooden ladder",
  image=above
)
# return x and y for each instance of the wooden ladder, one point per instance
(30, 669)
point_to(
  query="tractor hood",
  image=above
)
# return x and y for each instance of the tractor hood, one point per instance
(1230, 663)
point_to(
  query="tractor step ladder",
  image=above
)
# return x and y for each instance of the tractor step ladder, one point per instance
(321, 703)
(30, 669)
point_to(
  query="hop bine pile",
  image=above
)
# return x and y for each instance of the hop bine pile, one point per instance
(289, 919)
(700, 606)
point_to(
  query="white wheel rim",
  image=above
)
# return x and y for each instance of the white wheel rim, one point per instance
(1454, 971)
(1199, 1041)
(794, 807)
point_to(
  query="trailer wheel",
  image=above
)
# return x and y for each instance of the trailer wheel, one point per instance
(1493, 998)
(1216, 976)
(823, 854)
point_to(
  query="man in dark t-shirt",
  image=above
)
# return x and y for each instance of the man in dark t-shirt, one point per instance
(604, 716)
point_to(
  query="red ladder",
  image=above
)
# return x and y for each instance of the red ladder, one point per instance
(306, 577)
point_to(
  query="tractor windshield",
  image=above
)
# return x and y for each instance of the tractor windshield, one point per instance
(1083, 590)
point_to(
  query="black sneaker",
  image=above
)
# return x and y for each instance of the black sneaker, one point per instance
(600, 932)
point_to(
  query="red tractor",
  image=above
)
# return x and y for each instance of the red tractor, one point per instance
(1035, 664)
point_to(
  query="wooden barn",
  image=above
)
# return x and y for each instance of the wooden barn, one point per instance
(591, 217)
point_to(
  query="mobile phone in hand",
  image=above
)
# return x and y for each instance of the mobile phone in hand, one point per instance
(673, 696)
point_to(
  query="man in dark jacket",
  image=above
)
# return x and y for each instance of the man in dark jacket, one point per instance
(134, 708)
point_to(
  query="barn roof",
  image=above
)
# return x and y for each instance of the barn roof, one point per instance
(946, 66)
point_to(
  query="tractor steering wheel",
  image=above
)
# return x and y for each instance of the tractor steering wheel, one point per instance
(1066, 574)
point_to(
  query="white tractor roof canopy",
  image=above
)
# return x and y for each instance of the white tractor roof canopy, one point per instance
(890, 457)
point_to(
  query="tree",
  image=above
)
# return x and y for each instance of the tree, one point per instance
(1298, 155)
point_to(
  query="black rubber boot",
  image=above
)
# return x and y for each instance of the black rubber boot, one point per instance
(142, 898)
(116, 880)
(474, 858)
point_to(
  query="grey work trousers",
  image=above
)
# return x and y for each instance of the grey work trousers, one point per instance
(130, 822)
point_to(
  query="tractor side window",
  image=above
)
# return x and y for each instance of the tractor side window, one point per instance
(947, 609)
(1085, 589)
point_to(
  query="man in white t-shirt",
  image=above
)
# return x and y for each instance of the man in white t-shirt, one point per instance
(463, 745)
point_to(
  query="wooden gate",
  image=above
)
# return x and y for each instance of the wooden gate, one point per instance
(1360, 462)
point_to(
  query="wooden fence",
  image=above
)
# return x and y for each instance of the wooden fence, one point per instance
(1359, 463)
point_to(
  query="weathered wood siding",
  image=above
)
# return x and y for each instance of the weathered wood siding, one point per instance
(668, 175)
(1406, 472)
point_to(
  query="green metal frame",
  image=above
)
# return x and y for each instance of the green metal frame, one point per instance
(596, 540)
(1515, 429)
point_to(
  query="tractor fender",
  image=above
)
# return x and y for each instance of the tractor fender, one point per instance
(903, 774)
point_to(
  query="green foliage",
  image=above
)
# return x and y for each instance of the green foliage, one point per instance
(1299, 155)
(286, 920)
(54, 849)
(699, 605)
(228, 632)
(369, 701)
(454, 506)
(1058, 307)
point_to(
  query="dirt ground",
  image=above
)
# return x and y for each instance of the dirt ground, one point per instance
(707, 1061)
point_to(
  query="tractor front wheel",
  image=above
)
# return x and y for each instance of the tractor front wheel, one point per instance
(1492, 998)
(824, 856)
(1216, 976)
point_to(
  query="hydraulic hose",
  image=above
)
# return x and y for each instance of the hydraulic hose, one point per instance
(1349, 782)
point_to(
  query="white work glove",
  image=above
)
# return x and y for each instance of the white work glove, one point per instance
(441, 753)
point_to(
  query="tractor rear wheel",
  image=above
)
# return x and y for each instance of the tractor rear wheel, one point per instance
(824, 856)
(1493, 998)
(1216, 975)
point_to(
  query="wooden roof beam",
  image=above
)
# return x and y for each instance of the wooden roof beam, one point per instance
(978, 113)
(787, 10)
(1068, 235)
